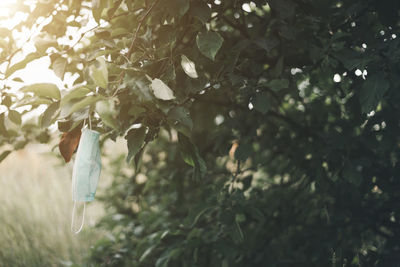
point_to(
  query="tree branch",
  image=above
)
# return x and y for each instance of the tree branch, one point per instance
(130, 51)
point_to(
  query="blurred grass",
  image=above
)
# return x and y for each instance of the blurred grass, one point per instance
(35, 212)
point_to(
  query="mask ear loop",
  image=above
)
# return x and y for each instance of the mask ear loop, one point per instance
(73, 218)
(90, 123)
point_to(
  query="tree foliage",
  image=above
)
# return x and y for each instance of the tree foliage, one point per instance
(262, 133)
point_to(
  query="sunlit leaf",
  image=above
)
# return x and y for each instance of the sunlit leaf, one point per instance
(43, 90)
(58, 66)
(161, 90)
(188, 67)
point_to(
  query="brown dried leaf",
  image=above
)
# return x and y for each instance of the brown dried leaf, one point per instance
(69, 142)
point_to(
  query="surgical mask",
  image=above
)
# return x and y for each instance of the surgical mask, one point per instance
(86, 171)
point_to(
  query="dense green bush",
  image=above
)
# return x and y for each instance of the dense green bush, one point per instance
(262, 133)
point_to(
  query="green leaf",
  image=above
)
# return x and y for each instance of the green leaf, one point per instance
(139, 86)
(135, 110)
(3, 130)
(64, 125)
(98, 72)
(43, 90)
(200, 168)
(146, 253)
(278, 84)
(351, 174)
(186, 154)
(74, 24)
(34, 101)
(191, 156)
(58, 66)
(43, 41)
(187, 150)
(135, 138)
(50, 115)
(97, 9)
(278, 68)
(176, 8)
(137, 159)
(119, 32)
(78, 92)
(267, 43)
(161, 90)
(181, 115)
(87, 101)
(261, 102)
(200, 10)
(18, 79)
(107, 112)
(372, 91)
(6, 101)
(209, 43)
(198, 216)
(22, 64)
(14, 116)
(4, 155)
(238, 232)
(243, 151)
(189, 67)
(115, 6)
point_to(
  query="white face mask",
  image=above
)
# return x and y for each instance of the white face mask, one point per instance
(86, 171)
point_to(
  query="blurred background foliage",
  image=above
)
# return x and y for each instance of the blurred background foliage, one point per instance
(35, 212)
(259, 133)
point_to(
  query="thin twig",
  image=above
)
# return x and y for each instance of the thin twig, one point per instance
(130, 51)
(80, 38)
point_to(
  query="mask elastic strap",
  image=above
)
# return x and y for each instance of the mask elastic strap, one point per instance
(73, 218)
(90, 123)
